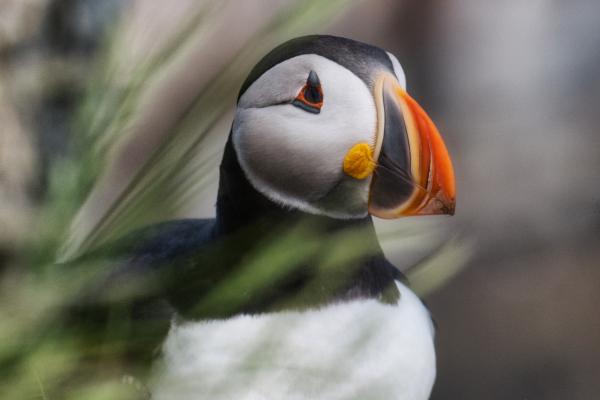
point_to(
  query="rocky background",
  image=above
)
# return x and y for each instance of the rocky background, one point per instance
(513, 86)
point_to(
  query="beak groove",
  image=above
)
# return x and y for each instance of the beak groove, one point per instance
(414, 174)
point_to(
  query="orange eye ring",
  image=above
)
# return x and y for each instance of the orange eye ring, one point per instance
(310, 97)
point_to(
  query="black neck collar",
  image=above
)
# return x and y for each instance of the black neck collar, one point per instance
(239, 206)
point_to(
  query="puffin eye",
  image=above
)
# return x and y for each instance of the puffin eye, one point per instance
(310, 97)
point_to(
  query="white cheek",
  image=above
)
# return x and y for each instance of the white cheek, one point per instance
(280, 153)
(295, 157)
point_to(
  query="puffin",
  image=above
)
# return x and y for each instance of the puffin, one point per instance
(286, 293)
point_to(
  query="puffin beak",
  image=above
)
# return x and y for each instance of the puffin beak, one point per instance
(413, 173)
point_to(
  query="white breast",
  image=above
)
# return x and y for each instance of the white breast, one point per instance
(356, 350)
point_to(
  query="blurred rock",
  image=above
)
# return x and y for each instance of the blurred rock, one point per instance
(17, 168)
(19, 21)
(45, 48)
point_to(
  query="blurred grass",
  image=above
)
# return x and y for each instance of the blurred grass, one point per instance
(38, 360)
(41, 360)
(164, 182)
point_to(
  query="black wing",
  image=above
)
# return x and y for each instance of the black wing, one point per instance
(124, 310)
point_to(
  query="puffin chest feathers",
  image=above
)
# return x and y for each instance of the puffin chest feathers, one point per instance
(362, 349)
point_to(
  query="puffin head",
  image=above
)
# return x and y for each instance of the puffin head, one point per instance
(324, 125)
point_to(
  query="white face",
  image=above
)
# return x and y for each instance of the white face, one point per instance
(295, 157)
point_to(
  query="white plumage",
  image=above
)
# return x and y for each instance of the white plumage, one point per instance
(356, 350)
(295, 158)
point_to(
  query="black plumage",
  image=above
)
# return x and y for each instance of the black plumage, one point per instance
(182, 268)
(177, 269)
(186, 260)
(358, 57)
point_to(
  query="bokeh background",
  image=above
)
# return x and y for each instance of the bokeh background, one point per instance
(99, 98)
